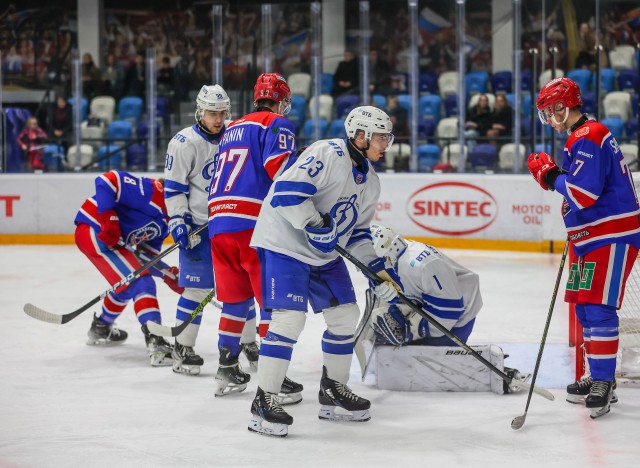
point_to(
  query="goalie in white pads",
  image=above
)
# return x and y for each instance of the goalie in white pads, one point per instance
(448, 292)
(327, 197)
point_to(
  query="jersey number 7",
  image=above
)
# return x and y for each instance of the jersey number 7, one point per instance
(237, 157)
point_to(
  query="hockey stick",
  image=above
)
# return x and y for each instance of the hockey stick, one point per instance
(372, 276)
(518, 421)
(163, 330)
(44, 316)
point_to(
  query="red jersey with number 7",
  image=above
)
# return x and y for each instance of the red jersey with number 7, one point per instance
(601, 206)
(254, 150)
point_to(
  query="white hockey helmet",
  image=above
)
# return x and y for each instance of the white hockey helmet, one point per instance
(370, 120)
(212, 98)
(387, 243)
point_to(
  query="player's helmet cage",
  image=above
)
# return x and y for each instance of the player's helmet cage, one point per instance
(212, 98)
(387, 243)
(370, 120)
(557, 96)
(274, 87)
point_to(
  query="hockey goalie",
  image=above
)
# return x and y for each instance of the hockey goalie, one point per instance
(403, 344)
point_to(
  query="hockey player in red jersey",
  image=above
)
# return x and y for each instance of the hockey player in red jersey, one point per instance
(126, 213)
(254, 150)
(600, 211)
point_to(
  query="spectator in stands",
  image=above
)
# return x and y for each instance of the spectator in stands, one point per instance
(31, 140)
(166, 77)
(586, 42)
(380, 82)
(12, 62)
(346, 77)
(399, 118)
(135, 78)
(502, 121)
(90, 76)
(479, 121)
(60, 120)
(112, 75)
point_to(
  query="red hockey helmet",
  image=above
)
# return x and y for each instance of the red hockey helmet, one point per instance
(274, 87)
(560, 94)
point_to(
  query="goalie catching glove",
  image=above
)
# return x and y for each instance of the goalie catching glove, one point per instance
(110, 232)
(544, 169)
(391, 285)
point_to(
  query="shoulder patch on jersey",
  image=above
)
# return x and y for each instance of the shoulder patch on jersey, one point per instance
(581, 132)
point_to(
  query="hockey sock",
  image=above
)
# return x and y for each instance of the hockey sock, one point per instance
(232, 322)
(111, 309)
(337, 352)
(265, 320)
(249, 330)
(147, 309)
(187, 303)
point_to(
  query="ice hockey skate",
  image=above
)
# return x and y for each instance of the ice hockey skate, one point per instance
(515, 374)
(158, 350)
(599, 398)
(230, 378)
(335, 395)
(578, 391)
(290, 392)
(185, 360)
(102, 334)
(266, 408)
(252, 353)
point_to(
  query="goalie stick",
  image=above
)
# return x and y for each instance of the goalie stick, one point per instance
(163, 330)
(511, 381)
(45, 316)
(518, 421)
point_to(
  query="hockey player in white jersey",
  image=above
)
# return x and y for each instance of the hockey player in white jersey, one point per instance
(446, 291)
(327, 197)
(188, 170)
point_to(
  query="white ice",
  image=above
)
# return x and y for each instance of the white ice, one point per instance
(66, 404)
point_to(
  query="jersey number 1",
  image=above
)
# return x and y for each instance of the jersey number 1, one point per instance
(237, 157)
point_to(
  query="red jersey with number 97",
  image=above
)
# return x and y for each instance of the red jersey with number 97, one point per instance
(254, 150)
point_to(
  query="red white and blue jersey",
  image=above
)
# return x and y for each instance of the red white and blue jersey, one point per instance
(139, 202)
(253, 152)
(601, 206)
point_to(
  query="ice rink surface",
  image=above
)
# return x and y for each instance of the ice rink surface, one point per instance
(66, 404)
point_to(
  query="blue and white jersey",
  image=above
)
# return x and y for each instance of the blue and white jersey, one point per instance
(448, 291)
(188, 170)
(322, 180)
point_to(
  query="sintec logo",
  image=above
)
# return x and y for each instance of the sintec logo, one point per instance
(452, 208)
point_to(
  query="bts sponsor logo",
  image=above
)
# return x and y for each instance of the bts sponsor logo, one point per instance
(192, 278)
(452, 208)
(295, 298)
(8, 204)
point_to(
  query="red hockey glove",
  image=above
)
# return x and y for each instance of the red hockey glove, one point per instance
(109, 228)
(540, 164)
(172, 282)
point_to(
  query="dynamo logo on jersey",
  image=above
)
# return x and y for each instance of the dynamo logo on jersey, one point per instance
(207, 173)
(345, 214)
(143, 234)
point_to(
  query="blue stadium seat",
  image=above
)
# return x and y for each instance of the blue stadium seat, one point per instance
(345, 104)
(428, 156)
(112, 162)
(429, 107)
(137, 156)
(582, 76)
(451, 106)
(426, 129)
(607, 80)
(326, 83)
(84, 108)
(130, 107)
(615, 126)
(119, 130)
(142, 129)
(631, 127)
(589, 102)
(628, 80)
(526, 104)
(501, 82)
(476, 82)
(336, 129)
(53, 157)
(483, 156)
(308, 129)
(162, 106)
(379, 101)
(525, 77)
(404, 101)
(298, 107)
(634, 105)
(428, 83)
(543, 148)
